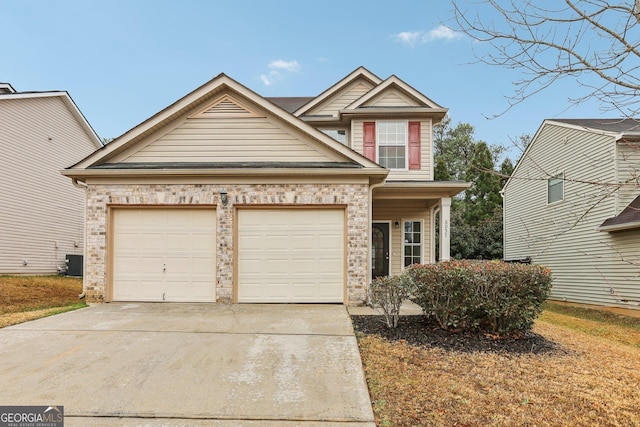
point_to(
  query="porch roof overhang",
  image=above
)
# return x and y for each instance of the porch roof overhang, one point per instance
(419, 190)
(628, 219)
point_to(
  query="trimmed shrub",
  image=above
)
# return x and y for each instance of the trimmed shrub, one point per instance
(388, 294)
(488, 296)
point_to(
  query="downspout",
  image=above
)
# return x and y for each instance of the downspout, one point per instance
(84, 186)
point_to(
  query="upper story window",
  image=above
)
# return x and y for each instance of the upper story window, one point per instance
(392, 144)
(555, 188)
(339, 135)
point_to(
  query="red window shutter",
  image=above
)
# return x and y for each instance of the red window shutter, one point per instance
(414, 145)
(369, 140)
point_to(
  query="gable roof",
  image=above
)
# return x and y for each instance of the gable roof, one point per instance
(627, 219)
(616, 128)
(392, 82)
(199, 101)
(358, 73)
(66, 99)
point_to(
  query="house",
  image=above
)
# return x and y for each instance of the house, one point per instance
(573, 205)
(41, 215)
(228, 196)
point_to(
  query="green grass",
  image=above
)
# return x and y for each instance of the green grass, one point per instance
(596, 323)
(601, 316)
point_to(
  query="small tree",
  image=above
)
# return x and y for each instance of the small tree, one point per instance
(388, 293)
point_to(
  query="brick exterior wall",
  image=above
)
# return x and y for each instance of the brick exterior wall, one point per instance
(100, 197)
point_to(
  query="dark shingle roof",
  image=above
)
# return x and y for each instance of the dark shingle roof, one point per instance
(620, 125)
(625, 219)
(291, 103)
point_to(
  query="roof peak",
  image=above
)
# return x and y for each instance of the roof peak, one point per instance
(6, 88)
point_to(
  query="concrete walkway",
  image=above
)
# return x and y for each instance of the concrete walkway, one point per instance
(407, 308)
(189, 364)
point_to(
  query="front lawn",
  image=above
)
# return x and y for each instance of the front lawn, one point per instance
(24, 298)
(576, 372)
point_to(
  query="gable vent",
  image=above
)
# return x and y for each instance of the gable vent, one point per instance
(225, 108)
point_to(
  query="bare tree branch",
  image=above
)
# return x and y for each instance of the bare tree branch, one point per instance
(595, 41)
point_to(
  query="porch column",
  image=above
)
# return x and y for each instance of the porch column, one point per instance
(445, 225)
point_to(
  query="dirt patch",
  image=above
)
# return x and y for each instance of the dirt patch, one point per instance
(29, 293)
(419, 331)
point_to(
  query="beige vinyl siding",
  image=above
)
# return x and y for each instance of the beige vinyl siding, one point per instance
(406, 210)
(229, 139)
(41, 212)
(340, 100)
(392, 98)
(628, 164)
(426, 147)
(587, 265)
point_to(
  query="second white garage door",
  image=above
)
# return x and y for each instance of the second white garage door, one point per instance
(291, 255)
(164, 254)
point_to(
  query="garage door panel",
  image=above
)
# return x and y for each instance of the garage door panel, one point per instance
(164, 254)
(291, 255)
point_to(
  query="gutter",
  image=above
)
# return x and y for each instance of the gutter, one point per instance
(84, 186)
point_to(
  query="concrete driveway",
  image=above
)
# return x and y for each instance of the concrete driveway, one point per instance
(189, 364)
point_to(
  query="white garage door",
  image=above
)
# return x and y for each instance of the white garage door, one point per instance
(291, 255)
(164, 254)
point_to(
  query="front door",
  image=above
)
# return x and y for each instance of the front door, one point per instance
(380, 249)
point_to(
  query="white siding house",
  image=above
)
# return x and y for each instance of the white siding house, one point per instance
(41, 214)
(570, 205)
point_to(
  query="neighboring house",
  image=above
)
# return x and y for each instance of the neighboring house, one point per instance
(229, 196)
(41, 215)
(573, 205)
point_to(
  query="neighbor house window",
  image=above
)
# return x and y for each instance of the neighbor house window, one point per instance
(392, 144)
(412, 243)
(555, 188)
(339, 135)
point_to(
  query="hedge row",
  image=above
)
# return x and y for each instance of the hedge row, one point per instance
(488, 296)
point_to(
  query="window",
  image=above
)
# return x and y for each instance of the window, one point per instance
(392, 144)
(555, 188)
(412, 243)
(339, 135)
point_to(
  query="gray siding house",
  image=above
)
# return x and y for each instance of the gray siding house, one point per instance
(41, 215)
(573, 205)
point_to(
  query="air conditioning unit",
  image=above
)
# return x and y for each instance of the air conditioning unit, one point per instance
(74, 265)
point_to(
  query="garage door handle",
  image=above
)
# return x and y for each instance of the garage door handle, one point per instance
(164, 268)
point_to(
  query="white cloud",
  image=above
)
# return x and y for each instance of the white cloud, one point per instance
(442, 33)
(412, 38)
(271, 78)
(277, 68)
(280, 64)
(409, 38)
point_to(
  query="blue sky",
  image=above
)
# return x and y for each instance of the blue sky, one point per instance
(123, 61)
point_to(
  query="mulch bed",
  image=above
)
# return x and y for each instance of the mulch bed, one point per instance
(423, 332)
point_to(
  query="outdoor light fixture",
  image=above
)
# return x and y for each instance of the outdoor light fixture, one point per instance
(223, 198)
(396, 224)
